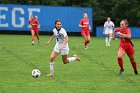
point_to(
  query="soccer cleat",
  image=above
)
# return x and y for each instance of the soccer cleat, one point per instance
(86, 47)
(77, 58)
(32, 44)
(50, 75)
(121, 71)
(136, 72)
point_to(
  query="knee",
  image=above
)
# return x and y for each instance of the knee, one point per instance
(51, 59)
(88, 41)
(131, 59)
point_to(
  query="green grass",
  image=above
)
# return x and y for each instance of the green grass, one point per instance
(96, 73)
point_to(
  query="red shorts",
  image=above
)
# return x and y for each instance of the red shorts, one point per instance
(128, 49)
(85, 33)
(35, 30)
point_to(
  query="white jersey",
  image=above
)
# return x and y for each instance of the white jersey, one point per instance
(60, 40)
(108, 26)
(60, 36)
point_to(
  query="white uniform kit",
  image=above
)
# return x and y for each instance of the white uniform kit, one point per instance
(60, 40)
(108, 27)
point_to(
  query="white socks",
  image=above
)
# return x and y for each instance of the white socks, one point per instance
(51, 67)
(108, 40)
(71, 59)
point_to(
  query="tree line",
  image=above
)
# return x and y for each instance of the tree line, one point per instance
(116, 9)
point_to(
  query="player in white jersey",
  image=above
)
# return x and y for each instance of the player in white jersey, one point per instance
(108, 31)
(61, 46)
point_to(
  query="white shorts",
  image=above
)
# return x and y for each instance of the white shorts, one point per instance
(108, 31)
(63, 51)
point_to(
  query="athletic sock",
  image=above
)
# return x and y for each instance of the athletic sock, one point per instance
(32, 40)
(110, 38)
(51, 67)
(106, 41)
(85, 43)
(134, 65)
(71, 59)
(120, 62)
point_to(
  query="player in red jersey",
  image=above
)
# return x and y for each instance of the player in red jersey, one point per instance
(84, 24)
(126, 46)
(34, 28)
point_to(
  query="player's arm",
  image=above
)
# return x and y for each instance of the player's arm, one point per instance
(128, 35)
(48, 42)
(89, 27)
(36, 23)
(80, 24)
(124, 35)
(104, 28)
(65, 41)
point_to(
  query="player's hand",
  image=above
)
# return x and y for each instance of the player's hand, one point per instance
(47, 43)
(89, 28)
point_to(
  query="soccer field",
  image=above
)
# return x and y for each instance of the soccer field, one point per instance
(95, 73)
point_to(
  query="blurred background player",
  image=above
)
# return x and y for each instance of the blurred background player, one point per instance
(33, 22)
(61, 46)
(84, 24)
(108, 31)
(126, 46)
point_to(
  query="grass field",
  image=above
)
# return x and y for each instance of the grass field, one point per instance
(96, 73)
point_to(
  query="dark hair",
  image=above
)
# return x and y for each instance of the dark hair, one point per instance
(58, 20)
(33, 16)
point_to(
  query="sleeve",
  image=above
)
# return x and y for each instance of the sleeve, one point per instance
(104, 24)
(53, 31)
(36, 21)
(113, 24)
(64, 33)
(81, 22)
(118, 29)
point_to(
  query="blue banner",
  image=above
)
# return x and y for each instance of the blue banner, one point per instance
(16, 17)
(135, 32)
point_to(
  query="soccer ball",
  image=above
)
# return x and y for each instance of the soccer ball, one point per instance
(36, 73)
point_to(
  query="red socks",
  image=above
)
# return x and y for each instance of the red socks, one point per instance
(120, 62)
(86, 42)
(134, 65)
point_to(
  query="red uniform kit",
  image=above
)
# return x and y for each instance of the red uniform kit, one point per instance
(125, 43)
(85, 29)
(34, 27)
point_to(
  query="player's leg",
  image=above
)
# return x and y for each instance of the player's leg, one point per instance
(121, 53)
(65, 59)
(106, 39)
(52, 57)
(32, 33)
(130, 54)
(83, 34)
(37, 35)
(110, 38)
(70, 59)
(85, 41)
(88, 37)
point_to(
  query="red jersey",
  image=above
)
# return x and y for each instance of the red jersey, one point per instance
(124, 41)
(85, 22)
(33, 21)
